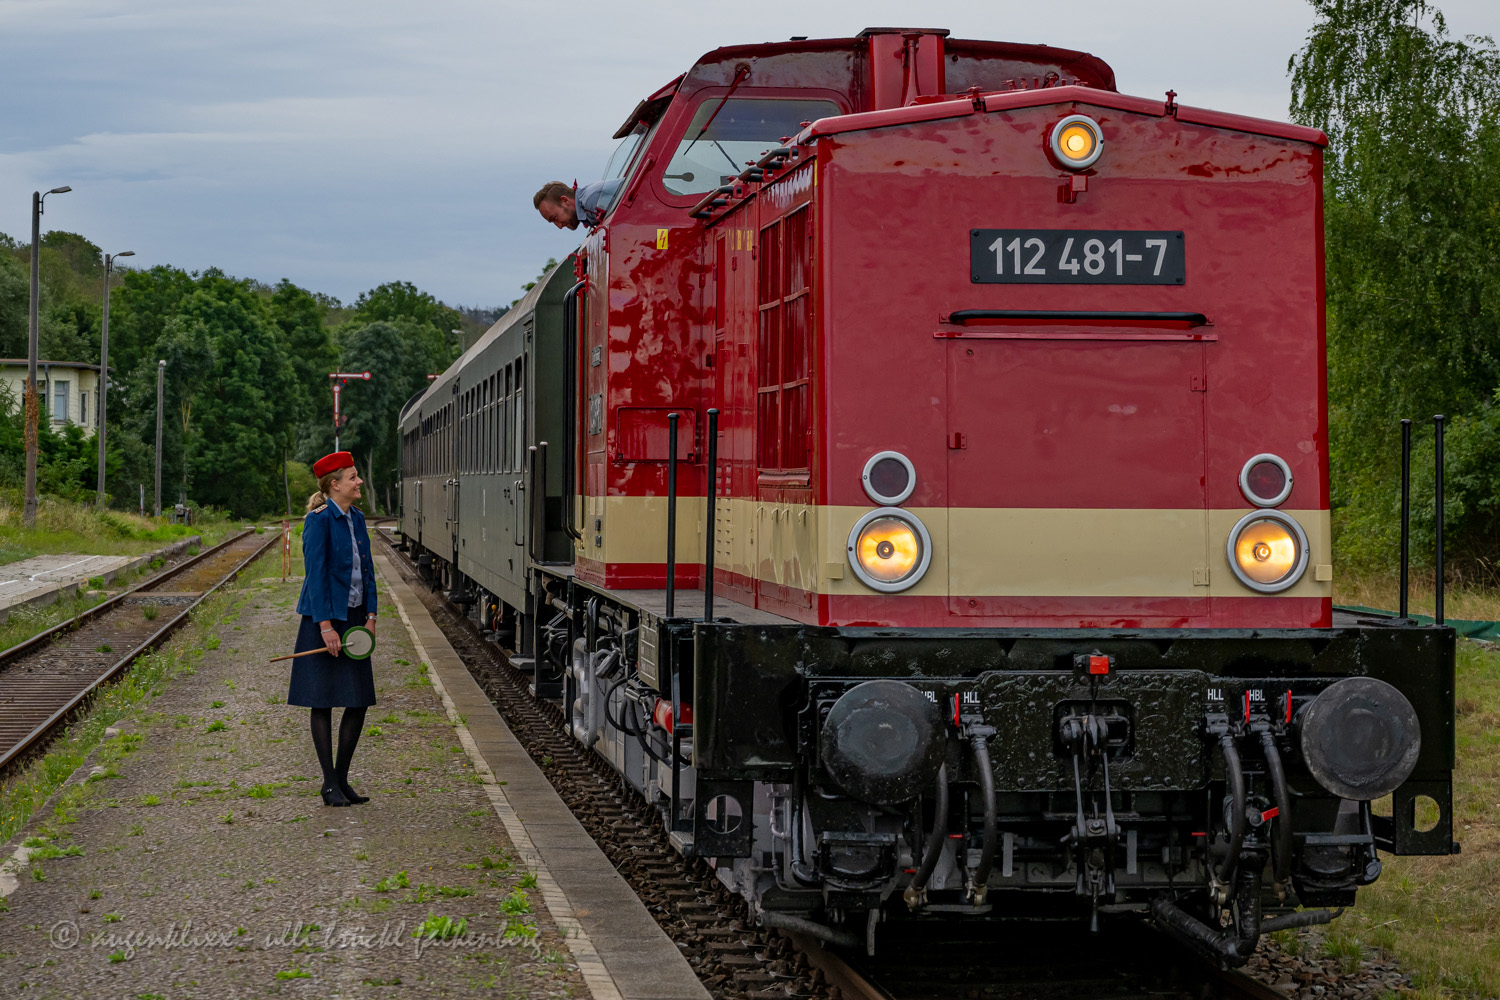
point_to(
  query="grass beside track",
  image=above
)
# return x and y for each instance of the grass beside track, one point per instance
(1437, 916)
(68, 526)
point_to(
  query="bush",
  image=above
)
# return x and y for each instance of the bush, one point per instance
(1367, 526)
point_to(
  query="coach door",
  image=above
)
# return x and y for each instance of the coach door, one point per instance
(1076, 475)
(518, 475)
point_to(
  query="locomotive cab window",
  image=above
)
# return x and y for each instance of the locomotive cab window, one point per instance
(625, 158)
(724, 135)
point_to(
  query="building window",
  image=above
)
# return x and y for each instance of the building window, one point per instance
(83, 409)
(60, 399)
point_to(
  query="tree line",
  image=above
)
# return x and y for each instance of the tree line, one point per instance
(247, 400)
(1412, 225)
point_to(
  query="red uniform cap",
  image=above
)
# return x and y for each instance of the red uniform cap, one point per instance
(332, 463)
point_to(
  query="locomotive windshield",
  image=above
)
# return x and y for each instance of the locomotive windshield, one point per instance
(724, 136)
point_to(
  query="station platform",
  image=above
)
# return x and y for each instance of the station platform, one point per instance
(50, 578)
(191, 855)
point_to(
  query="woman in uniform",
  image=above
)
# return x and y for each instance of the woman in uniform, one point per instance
(338, 591)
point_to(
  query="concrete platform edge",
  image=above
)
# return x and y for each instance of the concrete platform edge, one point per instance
(70, 588)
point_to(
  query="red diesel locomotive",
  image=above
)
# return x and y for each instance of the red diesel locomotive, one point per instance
(918, 485)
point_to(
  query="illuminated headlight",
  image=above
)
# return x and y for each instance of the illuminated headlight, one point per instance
(1267, 551)
(1077, 141)
(889, 549)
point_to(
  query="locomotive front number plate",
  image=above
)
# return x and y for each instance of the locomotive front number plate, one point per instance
(1077, 256)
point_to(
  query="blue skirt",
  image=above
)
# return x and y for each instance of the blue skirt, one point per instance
(326, 681)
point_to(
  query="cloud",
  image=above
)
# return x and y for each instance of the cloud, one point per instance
(342, 144)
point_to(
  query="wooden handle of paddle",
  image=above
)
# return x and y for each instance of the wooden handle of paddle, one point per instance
(293, 656)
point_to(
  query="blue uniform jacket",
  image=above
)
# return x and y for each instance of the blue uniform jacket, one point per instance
(328, 561)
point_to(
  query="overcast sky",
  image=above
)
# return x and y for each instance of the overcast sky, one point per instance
(345, 144)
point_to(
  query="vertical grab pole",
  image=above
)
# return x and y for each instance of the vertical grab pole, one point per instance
(675, 743)
(672, 419)
(536, 499)
(712, 533)
(1405, 512)
(1437, 496)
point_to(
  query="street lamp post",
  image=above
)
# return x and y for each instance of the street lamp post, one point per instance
(37, 200)
(104, 370)
(161, 377)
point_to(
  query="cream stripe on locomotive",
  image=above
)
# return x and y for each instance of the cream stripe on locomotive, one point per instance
(976, 551)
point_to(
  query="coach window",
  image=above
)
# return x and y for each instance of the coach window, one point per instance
(495, 422)
(726, 134)
(510, 415)
(520, 451)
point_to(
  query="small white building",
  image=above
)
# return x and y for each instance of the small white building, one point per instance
(69, 390)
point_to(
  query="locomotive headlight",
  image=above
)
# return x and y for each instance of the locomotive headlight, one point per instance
(889, 549)
(1267, 551)
(1077, 141)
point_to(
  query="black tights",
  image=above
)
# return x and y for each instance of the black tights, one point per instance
(336, 772)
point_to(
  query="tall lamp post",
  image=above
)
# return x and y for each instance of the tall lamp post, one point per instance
(104, 370)
(161, 377)
(37, 198)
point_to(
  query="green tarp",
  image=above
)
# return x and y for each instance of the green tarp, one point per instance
(1489, 631)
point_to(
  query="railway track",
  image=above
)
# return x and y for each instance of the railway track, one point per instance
(46, 678)
(737, 960)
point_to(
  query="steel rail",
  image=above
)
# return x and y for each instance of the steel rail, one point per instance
(152, 642)
(88, 615)
(837, 972)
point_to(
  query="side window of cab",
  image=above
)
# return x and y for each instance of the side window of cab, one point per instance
(626, 158)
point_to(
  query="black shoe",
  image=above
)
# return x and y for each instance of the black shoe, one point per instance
(332, 796)
(354, 797)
